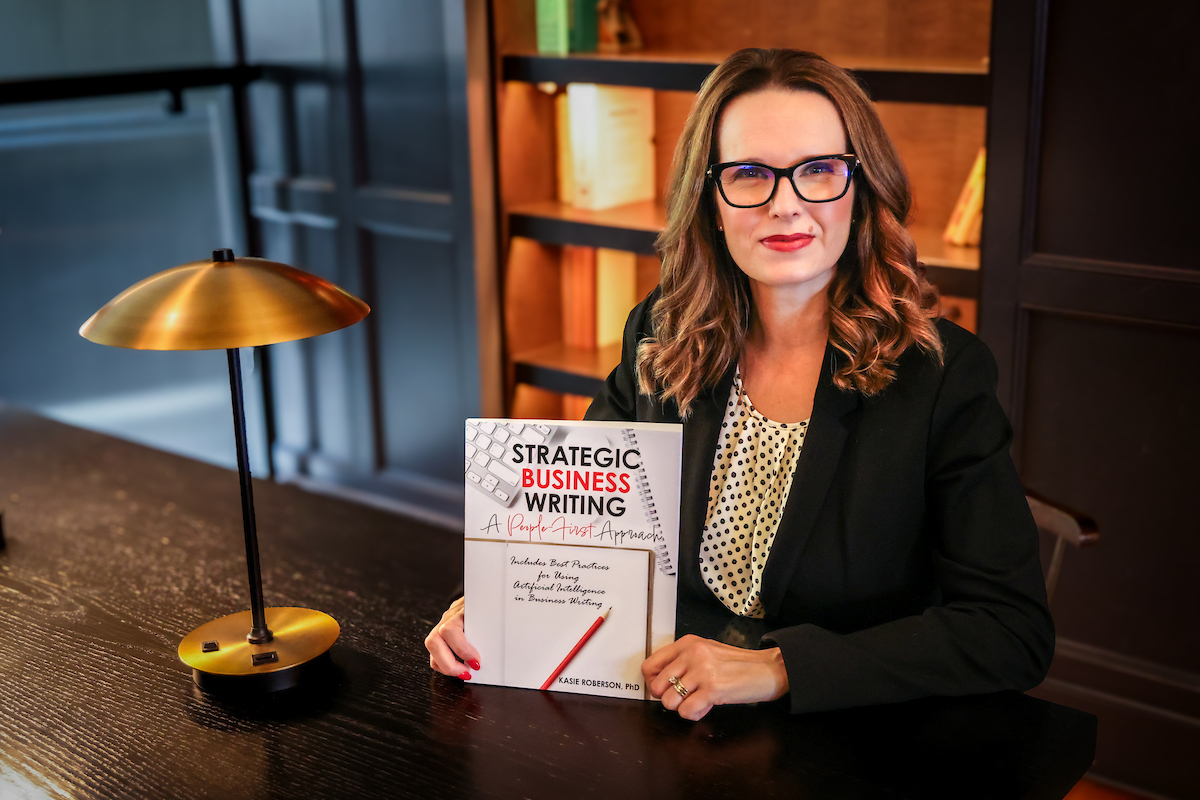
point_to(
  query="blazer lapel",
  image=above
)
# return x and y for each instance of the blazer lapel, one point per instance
(700, 434)
(823, 444)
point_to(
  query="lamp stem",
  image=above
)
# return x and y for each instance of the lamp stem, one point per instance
(260, 633)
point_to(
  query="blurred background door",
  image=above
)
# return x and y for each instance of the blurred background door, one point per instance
(98, 193)
(362, 176)
(358, 171)
(1091, 302)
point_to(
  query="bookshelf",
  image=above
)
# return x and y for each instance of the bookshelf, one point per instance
(924, 62)
(961, 81)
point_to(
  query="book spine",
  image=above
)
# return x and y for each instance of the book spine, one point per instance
(579, 296)
(661, 552)
(553, 27)
(562, 138)
(584, 26)
(616, 287)
(970, 203)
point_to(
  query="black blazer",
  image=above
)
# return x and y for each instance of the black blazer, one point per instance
(906, 562)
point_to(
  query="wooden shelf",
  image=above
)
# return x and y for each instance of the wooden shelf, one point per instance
(954, 270)
(567, 369)
(558, 368)
(632, 227)
(959, 82)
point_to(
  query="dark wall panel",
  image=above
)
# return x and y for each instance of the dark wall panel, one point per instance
(284, 31)
(61, 37)
(402, 51)
(1119, 168)
(420, 355)
(314, 154)
(1109, 427)
(362, 178)
(290, 371)
(95, 196)
(270, 119)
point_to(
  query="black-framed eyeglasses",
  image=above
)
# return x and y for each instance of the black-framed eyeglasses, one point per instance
(748, 184)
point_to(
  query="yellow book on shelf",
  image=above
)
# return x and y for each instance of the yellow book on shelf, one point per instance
(616, 293)
(973, 233)
(562, 139)
(969, 205)
(612, 144)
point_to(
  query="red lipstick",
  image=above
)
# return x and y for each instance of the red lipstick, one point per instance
(788, 244)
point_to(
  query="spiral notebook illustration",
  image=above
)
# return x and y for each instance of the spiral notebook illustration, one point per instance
(571, 541)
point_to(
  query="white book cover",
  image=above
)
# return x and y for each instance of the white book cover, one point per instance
(611, 144)
(571, 540)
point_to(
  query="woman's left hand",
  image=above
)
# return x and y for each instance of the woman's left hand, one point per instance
(714, 674)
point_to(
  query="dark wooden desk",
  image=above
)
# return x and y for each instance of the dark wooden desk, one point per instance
(115, 551)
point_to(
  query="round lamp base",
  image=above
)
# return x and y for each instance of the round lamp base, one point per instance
(221, 659)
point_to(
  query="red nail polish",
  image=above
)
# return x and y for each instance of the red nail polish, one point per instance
(466, 676)
(474, 664)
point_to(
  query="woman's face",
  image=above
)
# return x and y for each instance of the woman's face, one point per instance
(788, 242)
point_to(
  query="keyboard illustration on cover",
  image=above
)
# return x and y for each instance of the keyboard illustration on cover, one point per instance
(488, 462)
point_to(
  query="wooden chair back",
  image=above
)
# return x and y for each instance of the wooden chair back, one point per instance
(1067, 527)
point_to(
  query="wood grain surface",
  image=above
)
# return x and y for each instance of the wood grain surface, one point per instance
(115, 551)
(915, 30)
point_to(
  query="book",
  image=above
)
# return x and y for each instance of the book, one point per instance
(566, 26)
(566, 523)
(616, 293)
(579, 296)
(611, 144)
(553, 27)
(966, 220)
(562, 141)
(584, 24)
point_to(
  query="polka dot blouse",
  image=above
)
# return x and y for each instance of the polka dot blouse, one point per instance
(751, 477)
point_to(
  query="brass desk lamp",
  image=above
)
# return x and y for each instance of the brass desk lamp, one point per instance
(228, 303)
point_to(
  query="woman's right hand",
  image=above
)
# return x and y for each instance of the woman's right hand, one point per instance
(449, 651)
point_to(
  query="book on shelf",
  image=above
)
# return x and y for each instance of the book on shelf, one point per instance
(585, 26)
(579, 296)
(571, 538)
(966, 221)
(566, 26)
(553, 27)
(599, 287)
(562, 139)
(616, 293)
(611, 144)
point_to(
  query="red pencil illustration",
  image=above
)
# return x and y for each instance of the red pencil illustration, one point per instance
(575, 650)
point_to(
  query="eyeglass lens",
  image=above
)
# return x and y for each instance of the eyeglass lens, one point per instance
(751, 184)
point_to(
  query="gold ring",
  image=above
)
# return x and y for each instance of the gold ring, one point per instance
(679, 687)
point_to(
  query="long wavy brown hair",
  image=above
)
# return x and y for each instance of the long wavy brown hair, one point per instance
(880, 303)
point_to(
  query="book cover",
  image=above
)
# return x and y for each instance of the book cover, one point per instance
(571, 540)
(612, 144)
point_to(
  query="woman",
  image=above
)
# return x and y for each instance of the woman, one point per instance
(849, 508)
